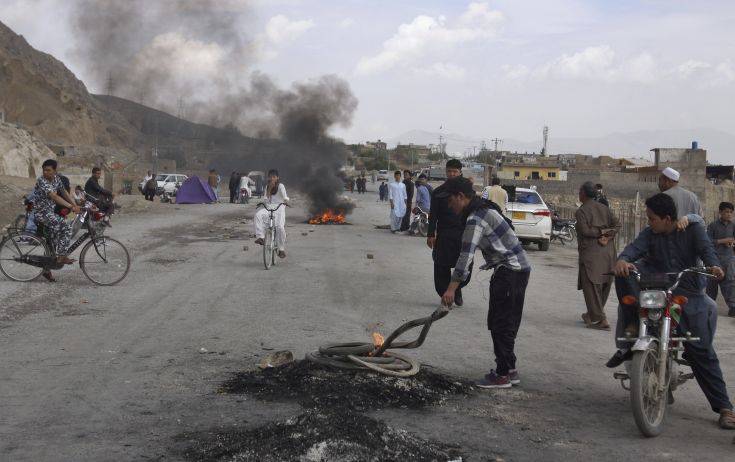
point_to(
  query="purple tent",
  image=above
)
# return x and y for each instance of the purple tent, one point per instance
(195, 191)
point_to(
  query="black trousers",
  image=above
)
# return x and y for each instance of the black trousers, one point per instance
(507, 294)
(443, 276)
(150, 194)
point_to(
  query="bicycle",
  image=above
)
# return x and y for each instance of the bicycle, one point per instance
(270, 248)
(25, 256)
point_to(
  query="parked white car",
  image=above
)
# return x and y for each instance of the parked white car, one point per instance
(531, 218)
(383, 175)
(168, 181)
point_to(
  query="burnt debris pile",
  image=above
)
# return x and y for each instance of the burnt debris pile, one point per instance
(319, 435)
(313, 385)
(332, 426)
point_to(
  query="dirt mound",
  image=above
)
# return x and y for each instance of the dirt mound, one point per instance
(313, 385)
(20, 153)
(318, 435)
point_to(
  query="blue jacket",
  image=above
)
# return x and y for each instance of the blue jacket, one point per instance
(673, 252)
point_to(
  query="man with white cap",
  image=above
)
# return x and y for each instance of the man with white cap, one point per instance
(685, 200)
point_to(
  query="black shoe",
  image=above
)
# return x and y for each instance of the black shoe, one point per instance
(731, 313)
(458, 299)
(619, 358)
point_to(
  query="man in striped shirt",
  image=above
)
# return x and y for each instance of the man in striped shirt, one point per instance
(493, 234)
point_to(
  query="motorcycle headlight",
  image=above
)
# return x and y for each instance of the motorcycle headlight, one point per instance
(653, 299)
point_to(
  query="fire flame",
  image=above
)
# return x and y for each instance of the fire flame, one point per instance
(378, 340)
(328, 216)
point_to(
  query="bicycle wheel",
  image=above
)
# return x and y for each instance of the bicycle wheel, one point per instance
(267, 248)
(16, 246)
(105, 261)
(274, 247)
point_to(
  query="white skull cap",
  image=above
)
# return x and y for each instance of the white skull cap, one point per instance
(671, 174)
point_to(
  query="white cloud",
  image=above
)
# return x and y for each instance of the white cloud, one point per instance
(515, 72)
(447, 71)
(597, 63)
(346, 23)
(427, 34)
(280, 29)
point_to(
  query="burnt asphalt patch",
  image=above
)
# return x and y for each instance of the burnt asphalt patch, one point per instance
(332, 428)
(312, 385)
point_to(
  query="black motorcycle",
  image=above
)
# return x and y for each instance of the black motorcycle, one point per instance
(563, 229)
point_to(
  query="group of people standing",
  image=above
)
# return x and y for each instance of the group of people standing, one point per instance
(401, 194)
(240, 184)
(359, 183)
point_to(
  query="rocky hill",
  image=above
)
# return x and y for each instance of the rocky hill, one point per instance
(20, 153)
(40, 93)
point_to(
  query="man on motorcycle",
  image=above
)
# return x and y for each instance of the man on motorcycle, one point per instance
(94, 189)
(661, 248)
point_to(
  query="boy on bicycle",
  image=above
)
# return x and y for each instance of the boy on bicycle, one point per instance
(275, 195)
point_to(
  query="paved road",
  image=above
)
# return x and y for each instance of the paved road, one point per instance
(90, 373)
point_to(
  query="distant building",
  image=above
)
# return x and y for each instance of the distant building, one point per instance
(524, 171)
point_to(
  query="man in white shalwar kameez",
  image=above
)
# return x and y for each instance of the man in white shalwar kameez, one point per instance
(398, 197)
(275, 194)
(245, 183)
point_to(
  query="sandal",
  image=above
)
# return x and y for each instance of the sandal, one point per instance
(260, 241)
(65, 260)
(727, 419)
(48, 276)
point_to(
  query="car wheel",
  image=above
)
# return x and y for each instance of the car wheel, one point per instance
(543, 245)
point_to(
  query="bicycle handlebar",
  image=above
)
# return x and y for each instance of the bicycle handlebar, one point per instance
(265, 206)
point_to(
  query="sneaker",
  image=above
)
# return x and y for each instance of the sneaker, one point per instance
(514, 376)
(458, 298)
(493, 380)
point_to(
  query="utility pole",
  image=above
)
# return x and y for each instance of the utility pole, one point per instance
(496, 142)
(546, 139)
(110, 88)
(180, 107)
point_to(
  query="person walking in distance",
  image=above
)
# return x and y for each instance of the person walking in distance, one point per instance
(496, 193)
(233, 186)
(488, 230)
(722, 234)
(600, 197)
(149, 189)
(397, 198)
(213, 183)
(444, 236)
(596, 228)
(407, 180)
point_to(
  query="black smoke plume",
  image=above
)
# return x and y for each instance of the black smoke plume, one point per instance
(191, 58)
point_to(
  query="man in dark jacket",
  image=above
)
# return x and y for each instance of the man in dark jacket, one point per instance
(406, 222)
(234, 185)
(93, 188)
(445, 237)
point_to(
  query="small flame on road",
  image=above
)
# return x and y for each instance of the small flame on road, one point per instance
(328, 216)
(378, 339)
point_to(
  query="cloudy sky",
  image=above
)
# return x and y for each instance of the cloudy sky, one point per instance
(502, 68)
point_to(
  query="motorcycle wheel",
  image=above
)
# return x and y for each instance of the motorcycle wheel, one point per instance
(649, 406)
(423, 227)
(572, 234)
